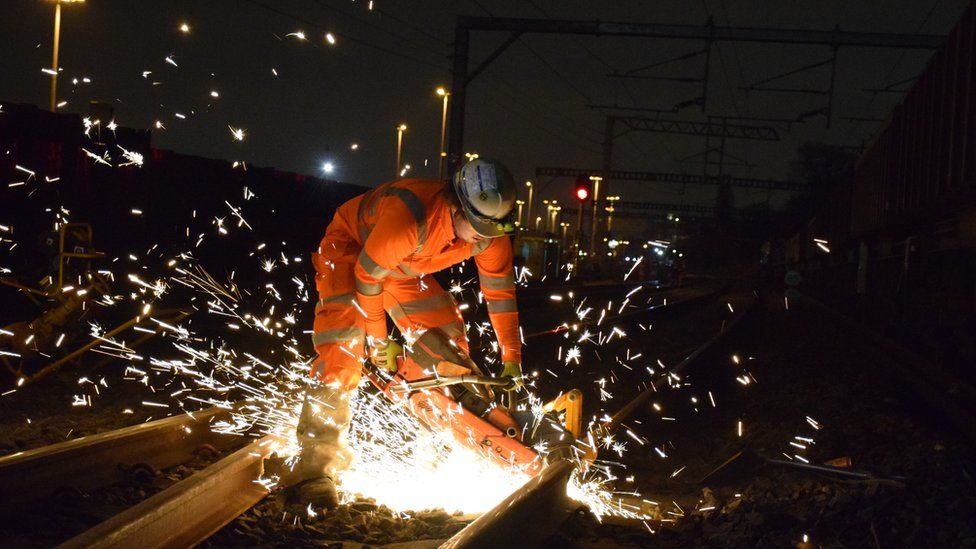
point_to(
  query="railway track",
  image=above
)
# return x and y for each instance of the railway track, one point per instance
(191, 510)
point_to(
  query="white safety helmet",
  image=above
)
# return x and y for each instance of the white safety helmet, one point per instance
(487, 194)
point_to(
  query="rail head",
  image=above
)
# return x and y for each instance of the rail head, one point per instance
(526, 517)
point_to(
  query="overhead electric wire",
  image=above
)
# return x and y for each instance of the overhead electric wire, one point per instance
(542, 59)
(557, 117)
(742, 78)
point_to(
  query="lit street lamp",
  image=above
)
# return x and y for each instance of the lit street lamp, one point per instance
(610, 209)
(54, 58)
(400, 129)
(528, 207)
(440, 160)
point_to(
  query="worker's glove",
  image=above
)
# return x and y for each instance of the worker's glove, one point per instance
(513, 370)
(384, 355)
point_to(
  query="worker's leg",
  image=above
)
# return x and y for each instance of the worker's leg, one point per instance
(339, 327)
(338, 338)
(424, 311)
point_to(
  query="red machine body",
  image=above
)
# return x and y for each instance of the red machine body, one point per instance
(494, 433)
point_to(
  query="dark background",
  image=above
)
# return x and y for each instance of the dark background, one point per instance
(528, 108)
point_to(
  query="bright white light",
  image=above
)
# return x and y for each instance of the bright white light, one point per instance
(328, 167)
(330, 38)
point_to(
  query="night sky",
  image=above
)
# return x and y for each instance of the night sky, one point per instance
(528, 108)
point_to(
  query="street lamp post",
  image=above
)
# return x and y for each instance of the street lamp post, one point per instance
(54, 57)
(528, 207)
(593, 224)
(610, 209)
(400, 129)
(443, 154)
(553, 215)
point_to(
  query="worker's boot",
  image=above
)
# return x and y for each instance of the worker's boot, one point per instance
(321, 432)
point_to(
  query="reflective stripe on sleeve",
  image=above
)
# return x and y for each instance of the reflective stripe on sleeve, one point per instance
(372, 268)
(366, 288)
(498, 283)
(337, 335)
(502, 306)
(344, 299)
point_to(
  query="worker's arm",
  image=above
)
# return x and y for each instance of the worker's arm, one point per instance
(392, 239)
(497, 278)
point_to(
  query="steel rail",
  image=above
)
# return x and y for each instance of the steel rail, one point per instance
(30, 477)
(526, 517)
(191, 510)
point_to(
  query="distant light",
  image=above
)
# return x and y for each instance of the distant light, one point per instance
(328, 167)
(184, 28)
(441, 92)
(402, 127)
(330, 38)
(214, 94)
(582, 193)
(354, 146)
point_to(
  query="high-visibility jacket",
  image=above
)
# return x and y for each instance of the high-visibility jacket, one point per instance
(403, 229)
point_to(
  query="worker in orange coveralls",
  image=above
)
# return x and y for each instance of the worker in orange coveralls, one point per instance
(371, 262)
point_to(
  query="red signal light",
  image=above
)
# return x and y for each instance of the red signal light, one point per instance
(582, 193)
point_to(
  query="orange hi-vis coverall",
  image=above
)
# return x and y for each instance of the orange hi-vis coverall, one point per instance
(373, 259)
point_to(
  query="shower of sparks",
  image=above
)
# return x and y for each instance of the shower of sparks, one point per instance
(245, 352)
